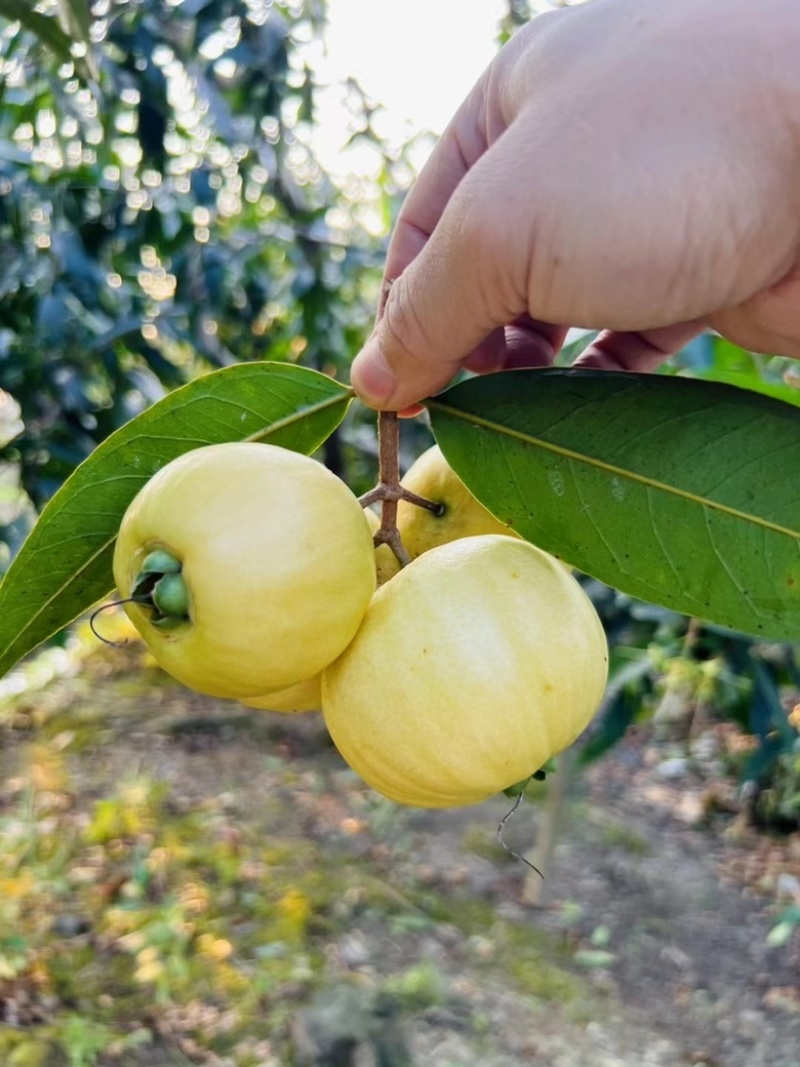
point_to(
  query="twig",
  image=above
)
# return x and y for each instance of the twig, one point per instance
(389, 491)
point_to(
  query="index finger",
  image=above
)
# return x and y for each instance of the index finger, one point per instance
(463, 142)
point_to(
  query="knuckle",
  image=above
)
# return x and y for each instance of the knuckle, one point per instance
(406, 336)
(537, 37)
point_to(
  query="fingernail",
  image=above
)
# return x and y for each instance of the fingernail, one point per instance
(372, 377)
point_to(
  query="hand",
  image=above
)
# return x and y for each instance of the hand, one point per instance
(631, 166)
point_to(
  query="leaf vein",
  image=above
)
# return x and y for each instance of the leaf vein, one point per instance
(639, 479)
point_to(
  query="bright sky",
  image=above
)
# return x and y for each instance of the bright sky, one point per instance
(419, 58)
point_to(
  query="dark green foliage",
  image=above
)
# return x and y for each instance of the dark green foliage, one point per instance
(162, 220)
(625, 477)
(713, 675)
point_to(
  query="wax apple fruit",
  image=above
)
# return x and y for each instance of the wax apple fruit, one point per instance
(251, 567)
(473, 666)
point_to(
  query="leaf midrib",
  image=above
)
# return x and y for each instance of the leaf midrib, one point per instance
(610, 468)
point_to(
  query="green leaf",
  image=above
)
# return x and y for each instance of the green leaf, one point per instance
(753, 381)
(791, 915)
(728, 357)
(679, 492)
(618, 715)
(780, 935)
(71, 27)
(45, 28)
(76, 18)
(65, 564)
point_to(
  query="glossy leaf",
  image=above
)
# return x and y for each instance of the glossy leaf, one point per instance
(683, 493)
(65, 565)
(747, 380)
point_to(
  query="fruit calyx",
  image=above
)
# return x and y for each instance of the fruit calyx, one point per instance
(519, 787)
(160, 586)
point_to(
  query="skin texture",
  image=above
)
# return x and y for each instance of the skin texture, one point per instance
(307, 696)
(625, 165)
(432, 477)
(277, 557)
(504, 666)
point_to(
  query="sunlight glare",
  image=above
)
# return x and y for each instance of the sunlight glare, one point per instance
(418, 60)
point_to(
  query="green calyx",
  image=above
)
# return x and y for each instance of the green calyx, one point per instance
(517, 788)
(160, 562)
(171, 596)
(537, 776)
(160, 586)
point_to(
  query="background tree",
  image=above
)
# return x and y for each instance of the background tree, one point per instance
(162, 214)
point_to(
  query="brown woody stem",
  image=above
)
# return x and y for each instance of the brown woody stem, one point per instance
(421, 501)
(389, 490)
(389, 476)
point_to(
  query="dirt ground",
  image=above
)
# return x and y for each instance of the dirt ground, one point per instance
(648, 948)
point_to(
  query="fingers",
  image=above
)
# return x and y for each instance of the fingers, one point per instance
(525, 343)
(768, 322)
(642, 351)
(468, 280)
(407, 336)
(528, 343)
(461, 145)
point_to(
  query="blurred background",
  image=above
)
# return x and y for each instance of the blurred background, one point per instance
(185, 184)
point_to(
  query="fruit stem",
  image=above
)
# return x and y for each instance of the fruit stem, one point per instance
(389, 482)
(421, 502)
(389, 490)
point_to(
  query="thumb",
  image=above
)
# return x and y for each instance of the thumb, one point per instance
(468, 280)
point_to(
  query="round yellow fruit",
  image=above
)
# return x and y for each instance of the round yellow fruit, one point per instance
(432, 477)
(304, 696)
(307, 696)
(476, 664)
(257, 564)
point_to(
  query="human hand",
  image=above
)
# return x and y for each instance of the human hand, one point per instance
(629, 166)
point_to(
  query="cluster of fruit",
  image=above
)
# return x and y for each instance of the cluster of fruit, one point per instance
(250, 572)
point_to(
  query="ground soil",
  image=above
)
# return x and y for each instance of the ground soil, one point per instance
(648, 946)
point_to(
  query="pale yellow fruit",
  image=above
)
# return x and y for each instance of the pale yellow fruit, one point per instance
(421, 529)
(386, 562)
(277, 560)
(476, 664)
(432, 477)
(307, 696)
